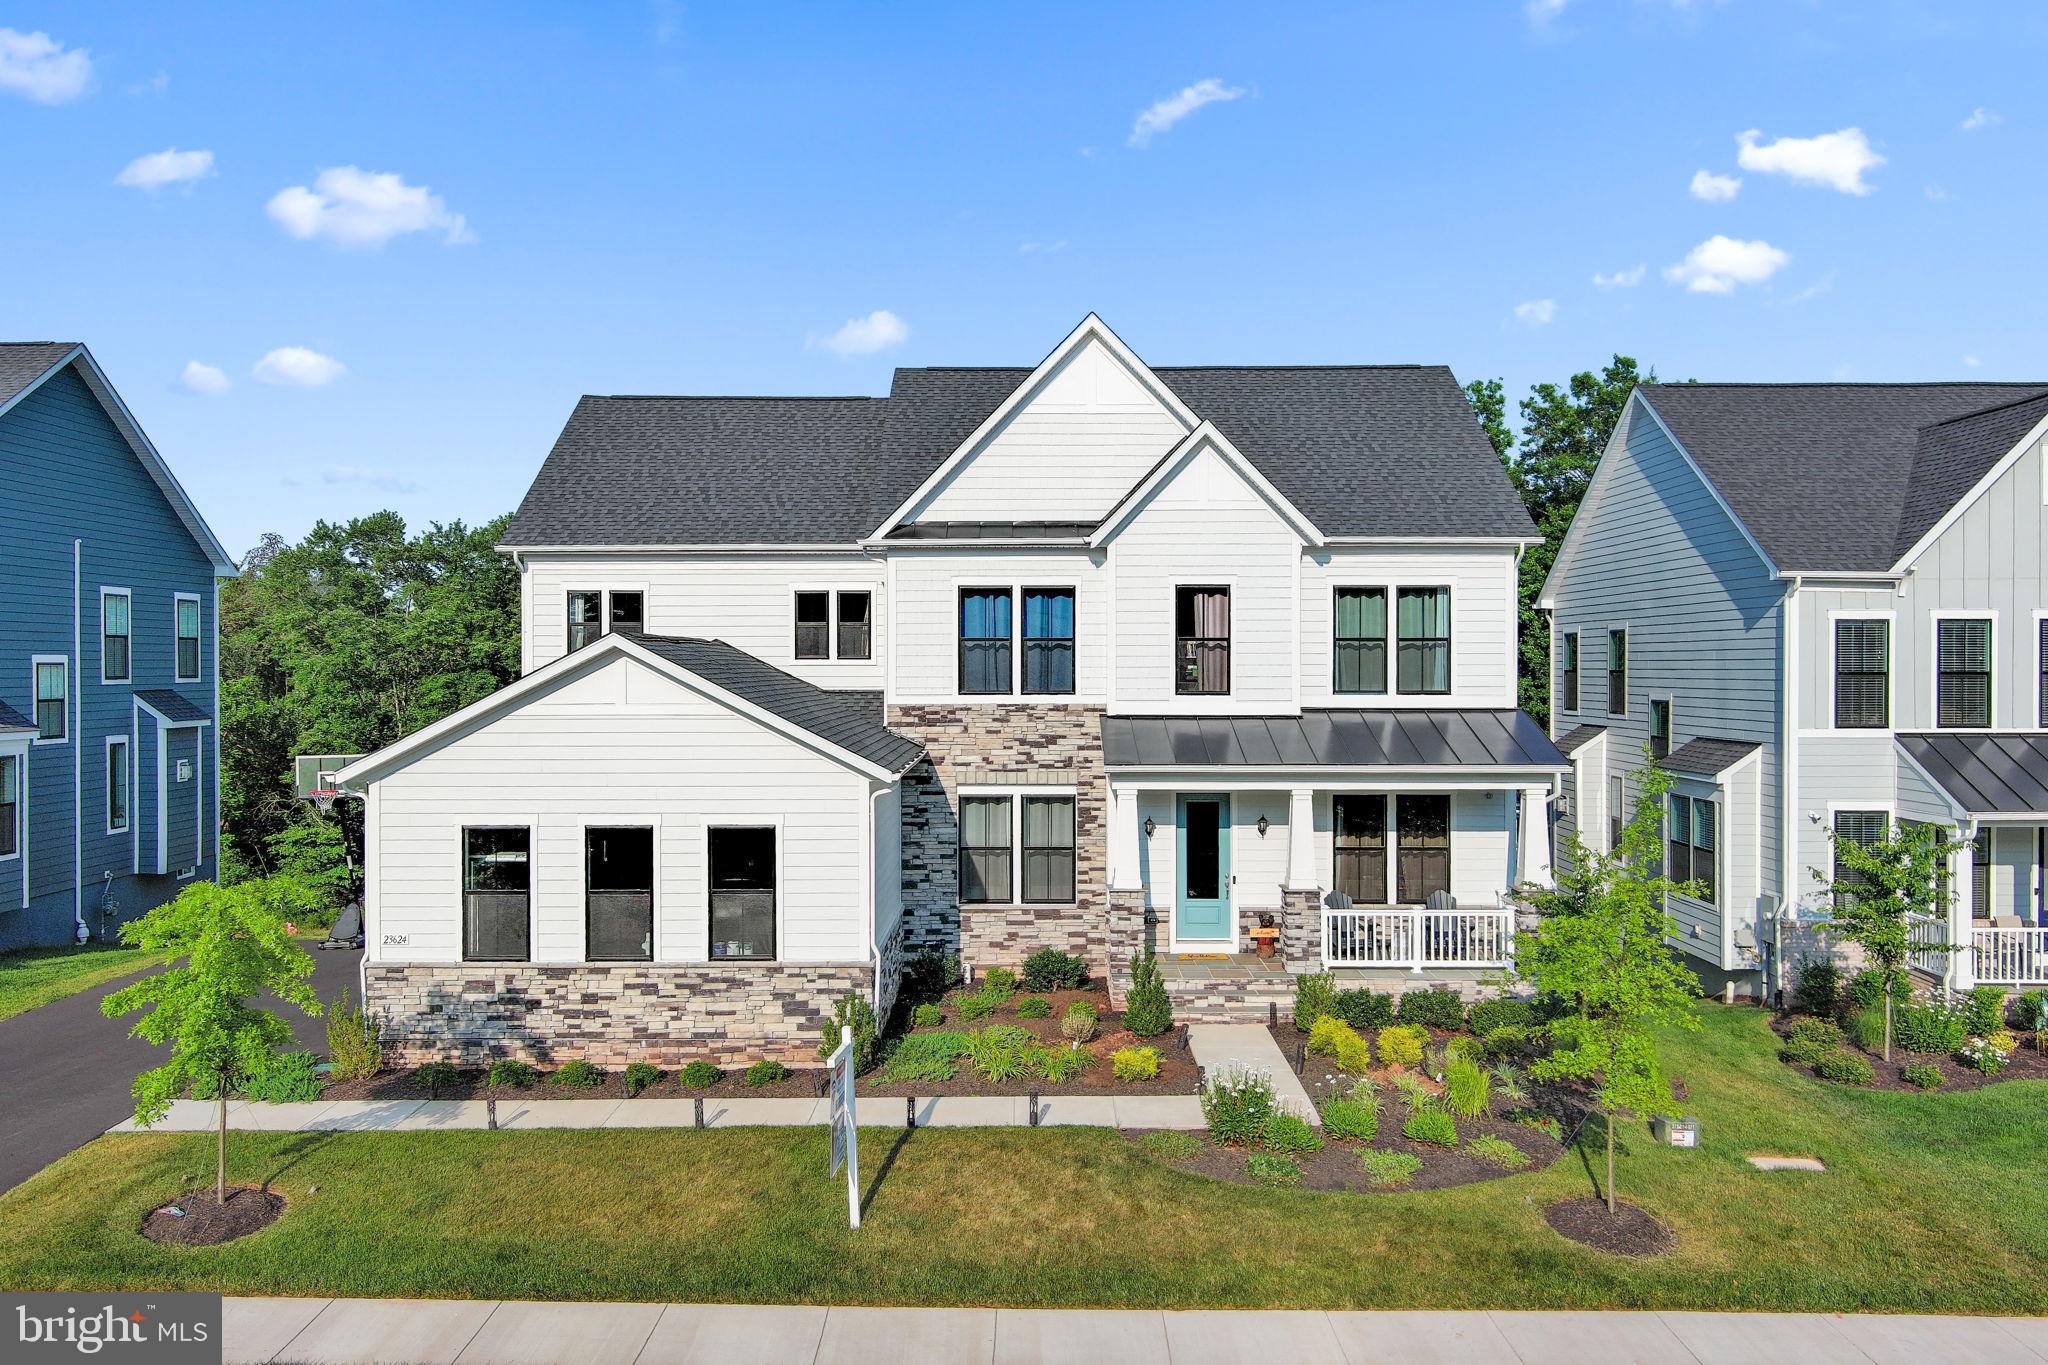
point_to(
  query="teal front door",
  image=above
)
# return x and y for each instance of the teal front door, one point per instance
(1202, 910)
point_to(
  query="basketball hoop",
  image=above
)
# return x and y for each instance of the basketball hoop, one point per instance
(324, 798)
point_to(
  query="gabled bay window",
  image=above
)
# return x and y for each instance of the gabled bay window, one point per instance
(1201, 629)
(1359, 644)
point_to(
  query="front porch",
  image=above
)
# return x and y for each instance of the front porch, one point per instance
(1236, 988)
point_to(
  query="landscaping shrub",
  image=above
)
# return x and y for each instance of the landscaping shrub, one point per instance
(1985, 1056)
(1846, 1068)
(1507, 1083)
(851, 1011)
(2030, 1011)
(1269, 1168)
(1467, 1090)
(511, 1071)
(1498, 1151)
(1060, 1064)
(1291, 1133)
(1820, 986)
(999, 982)
(1332, 1037)
(1866, 1030)
(287, 1078)
(1388, 1170)
(1510, 1040)
(1488, 1015)
(930, 975)
(1315, 995)
(1049, 969)
(926, 1056)
(1135, 1063)
(1365, 1009)
(431, 1076)
(1001, 1052)
(975, 1008)
(1147, 1010)
(352, 1043)
(1401, 1045)
(1417, 1095)
(640, 1075)
(1866, 989)
(578, 1075)
(1542, 1123)
(1433, 1126)
(1931, 1026)
(1078, 1023)
(700, 1073)
(1358, 1120)
(1811, 1039)
(1034, 1007)
(1438, 1009)
(1170, 1144)
(1238, 1103)
(927, 1015)
(1923, 1074)
(1984, 1009)
(766, 1073)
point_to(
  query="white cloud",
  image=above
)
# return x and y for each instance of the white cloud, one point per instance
(878, 331)
(1164, 113)
(1536, 312)
(1936, 193)
(1621, 279)
(38, 67)
(297, 367)
(1543, 11)
(200, 377)
(1814, 290)
(1042, 248)
(376, 478)
(155, 85)
(168, 167)
(1972, 361)
(1720, 263)
(1714, 188)
(1836, 160)
(352, 207)
(1980, 118)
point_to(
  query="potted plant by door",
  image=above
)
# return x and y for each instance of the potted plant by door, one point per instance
(1266, 937)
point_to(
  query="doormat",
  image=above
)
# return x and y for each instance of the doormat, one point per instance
(1201, 957)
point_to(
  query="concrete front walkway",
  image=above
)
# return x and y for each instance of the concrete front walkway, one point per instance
(1218, 1047)
(430, 1332)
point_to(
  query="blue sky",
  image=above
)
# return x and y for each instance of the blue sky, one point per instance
(479, 212)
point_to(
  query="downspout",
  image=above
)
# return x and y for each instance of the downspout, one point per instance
(1788, 781)
(74, 685)
(874, 905)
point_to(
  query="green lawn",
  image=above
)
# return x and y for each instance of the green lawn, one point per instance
(36, 976)
(1931, 1203)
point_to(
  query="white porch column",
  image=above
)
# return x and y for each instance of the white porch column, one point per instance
(1301, 840)
(1962, 966)
(1533, 836)
(1126, 869)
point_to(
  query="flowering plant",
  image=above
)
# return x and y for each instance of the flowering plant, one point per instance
(1985, 1056)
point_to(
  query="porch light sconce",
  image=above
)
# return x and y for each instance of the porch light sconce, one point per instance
(1264, 825)
(1149, 827)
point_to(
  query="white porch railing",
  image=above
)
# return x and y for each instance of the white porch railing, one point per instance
(1927, 937)
(1416, 938)
(2011, 957)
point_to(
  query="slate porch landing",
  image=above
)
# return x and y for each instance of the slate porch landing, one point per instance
(1243, 988)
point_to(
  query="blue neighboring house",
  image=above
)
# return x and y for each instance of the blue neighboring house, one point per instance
(109, 666)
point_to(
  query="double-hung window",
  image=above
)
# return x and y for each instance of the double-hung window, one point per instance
(52, 700)
(1016, 850)
(186, 625)
(1863, 673)
(1201, 629)
(497, 890)
(985, 868)
(618, 897)
(814, 625)
(117, 784)
(2041, 663)
(1568, 671)
(984, 641)
(1962, 673)
(1048, 842)
(628, 612)
(1660, 727)
(1049, 641)
(743, 880)
(10, 806)
(586, 618)
(116, 632)
(1617, 814)
(1690, 836)
(1361, 848)
(1422, 837)
(1617, 672)
(1422, 640)
(856, 625)
(1359, 646)
(1865, 827)
(816, 637)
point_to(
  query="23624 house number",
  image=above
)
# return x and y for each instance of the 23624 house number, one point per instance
(397, 940)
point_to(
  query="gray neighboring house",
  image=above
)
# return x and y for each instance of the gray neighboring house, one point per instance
(1820, 606)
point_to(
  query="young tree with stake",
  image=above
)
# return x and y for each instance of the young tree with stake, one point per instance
(1883, 884)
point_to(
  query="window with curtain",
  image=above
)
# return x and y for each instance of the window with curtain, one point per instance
(1568, 671)
(618, 894)
(985, 867)
(1690, 838)
(2041, 660)
(1864, 827)
(984, 641)
(10, 806)
(1422, 630)
(1048, 849)
(1616, 815)
(188, 639)
(814, 625)
(586, 619)
(1962, 674)
(629, 612)
(1359, 664)
(51, 718)
(1049, 641)
(1617, 672)
(856, 625)
(114, 636)
(1360, 860)
(1201, 628)
(1660, 728)
(117, 786)
(1863, 674)
(740, 863)
(497, 885)
(1423, 847)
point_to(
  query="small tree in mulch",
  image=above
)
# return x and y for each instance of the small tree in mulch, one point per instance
(225, 944)
(1880, 887)
(1603, 946)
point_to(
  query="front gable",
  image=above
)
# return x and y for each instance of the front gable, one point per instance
(1205, 472)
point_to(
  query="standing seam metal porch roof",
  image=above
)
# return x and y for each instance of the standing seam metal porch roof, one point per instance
(1331, 739)
(1986, 773)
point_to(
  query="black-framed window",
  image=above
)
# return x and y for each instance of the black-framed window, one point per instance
(2041, 661)
(1048, 839)
(52, 700)
(1865, 827)
(618, 893)
(116, 635)
(1690, 837)
(1422, 838)
(1359, 832)
(1358, 662)
(856, 625)
(1617, 813)
(985, 641)
(497, 892)
(814, 625)
(985, 867)
(628, 612)
(1660, 727)
(1863, 673)
(1422, 640)
(586, 618)
(10, 806)
(186, 614)
(1617, 672)
(1049, 641)
(741, 859)
(117, 786)
(1962, 673)
(1201, 629)
(1568, 671)
(1980, 874)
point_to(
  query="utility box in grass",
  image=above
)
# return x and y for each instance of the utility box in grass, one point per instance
(1680, 1132)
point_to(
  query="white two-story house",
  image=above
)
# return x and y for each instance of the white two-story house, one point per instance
(1820, 607)
(1090, 655)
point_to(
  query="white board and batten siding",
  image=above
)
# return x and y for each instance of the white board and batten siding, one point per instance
(623, 744)
(1484, 620)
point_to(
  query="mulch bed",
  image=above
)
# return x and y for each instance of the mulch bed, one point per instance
(805, 1083)
(207, 1222)
(2027, 1063)
(1628, 1231)
(1335, 1169)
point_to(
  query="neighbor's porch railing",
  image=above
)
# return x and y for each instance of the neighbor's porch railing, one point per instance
(1378, 936)
(1927, 938)
(2011, 957)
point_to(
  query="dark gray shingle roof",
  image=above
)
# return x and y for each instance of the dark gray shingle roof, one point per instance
(172, 706)
(22, 363)
(11, 719)
(1707, 757)
(1828, 477)
(1578, 738)
(850, 720)
(708, 471)
(1347, 739)
(1986, 773)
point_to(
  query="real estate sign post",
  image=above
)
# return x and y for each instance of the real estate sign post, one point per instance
(845, 1139)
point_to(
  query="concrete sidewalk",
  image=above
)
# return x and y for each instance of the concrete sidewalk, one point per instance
(1218, 1048)
(428, 1332)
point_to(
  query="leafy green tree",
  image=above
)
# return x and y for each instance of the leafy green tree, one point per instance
(225, 945)
(1603, 946)
(1880, 886)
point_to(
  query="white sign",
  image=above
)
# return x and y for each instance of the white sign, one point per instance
(845, 1137)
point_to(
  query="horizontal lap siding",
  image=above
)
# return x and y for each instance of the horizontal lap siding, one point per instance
(1484, 622)
(927, 633)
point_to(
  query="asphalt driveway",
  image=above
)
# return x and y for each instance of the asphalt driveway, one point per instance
(65, 1068)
